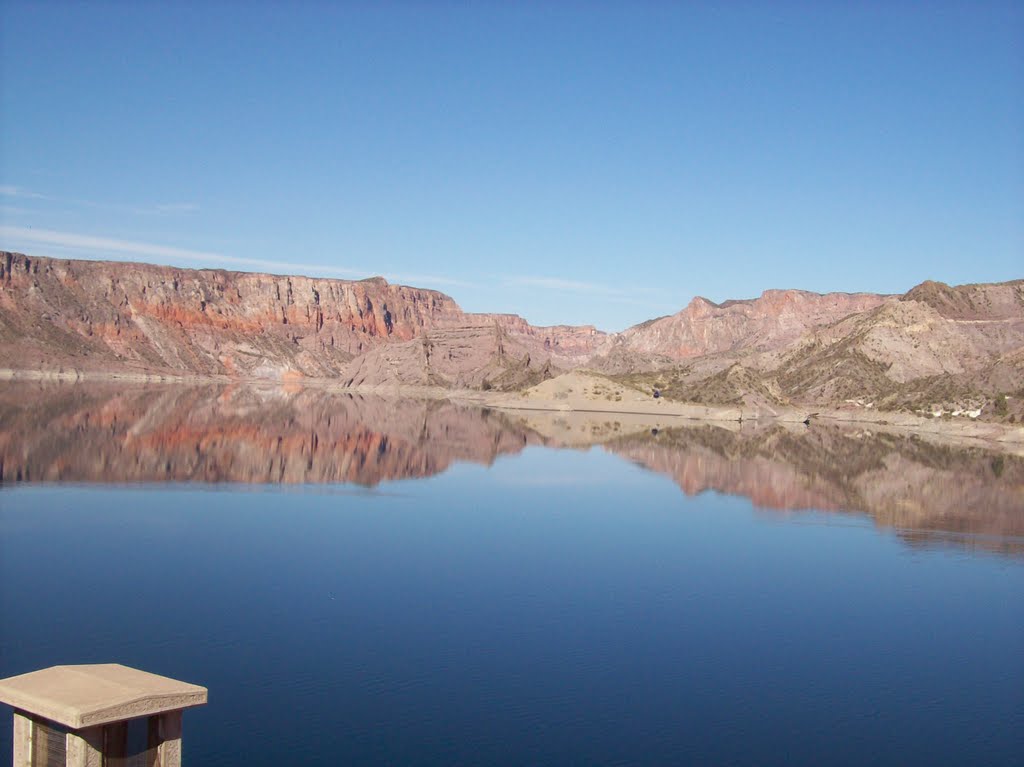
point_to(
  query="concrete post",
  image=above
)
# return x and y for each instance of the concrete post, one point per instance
(169, 750)
(85, 747)
(98, 714)
(22, 740)
(115, 741)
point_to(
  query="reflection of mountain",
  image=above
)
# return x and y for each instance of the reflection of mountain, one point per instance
(924, 490)
(113, 433)
(107, 433)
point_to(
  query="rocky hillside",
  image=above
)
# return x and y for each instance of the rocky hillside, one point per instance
(775, 319)
(970, 337)
(937, 350)
(123, 317)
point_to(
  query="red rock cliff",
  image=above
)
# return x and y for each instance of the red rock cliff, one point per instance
(94, 315)
(127, 317)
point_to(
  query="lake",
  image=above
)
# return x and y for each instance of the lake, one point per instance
(376, 581)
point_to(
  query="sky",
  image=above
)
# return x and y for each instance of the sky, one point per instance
(580, 163)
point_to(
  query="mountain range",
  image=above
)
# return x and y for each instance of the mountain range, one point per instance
(936, 350)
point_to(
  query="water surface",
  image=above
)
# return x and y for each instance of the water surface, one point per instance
(381, 582)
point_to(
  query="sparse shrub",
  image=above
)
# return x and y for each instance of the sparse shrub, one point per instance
(1000, 405)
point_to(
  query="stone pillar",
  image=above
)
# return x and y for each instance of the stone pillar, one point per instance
(169, 729)
(85, 747)
(22, 740)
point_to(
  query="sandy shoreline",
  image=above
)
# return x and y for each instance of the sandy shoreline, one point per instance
(677, 414)
(581, 392)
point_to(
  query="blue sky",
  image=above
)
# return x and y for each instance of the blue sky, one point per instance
(574, 163)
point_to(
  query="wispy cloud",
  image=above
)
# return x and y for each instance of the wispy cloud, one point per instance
(104, 246)
(7, 190)
(13, 210)
(556, 283)
(155, 209)
(28, 238)
(176, 207)
(167, 208)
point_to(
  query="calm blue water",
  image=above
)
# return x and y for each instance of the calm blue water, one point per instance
(559, 607)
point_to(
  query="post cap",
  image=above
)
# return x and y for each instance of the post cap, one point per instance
(100, 693)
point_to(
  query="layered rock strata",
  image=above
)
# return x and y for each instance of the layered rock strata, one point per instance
(124, 317)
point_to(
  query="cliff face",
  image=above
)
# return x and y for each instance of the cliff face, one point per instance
(118, 317)
(97, 315)
(112, 316)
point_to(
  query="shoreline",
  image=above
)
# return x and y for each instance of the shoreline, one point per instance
(636, 406)
(897, 422)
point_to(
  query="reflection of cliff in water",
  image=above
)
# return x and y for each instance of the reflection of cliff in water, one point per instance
(928, 492)
(116, 433)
